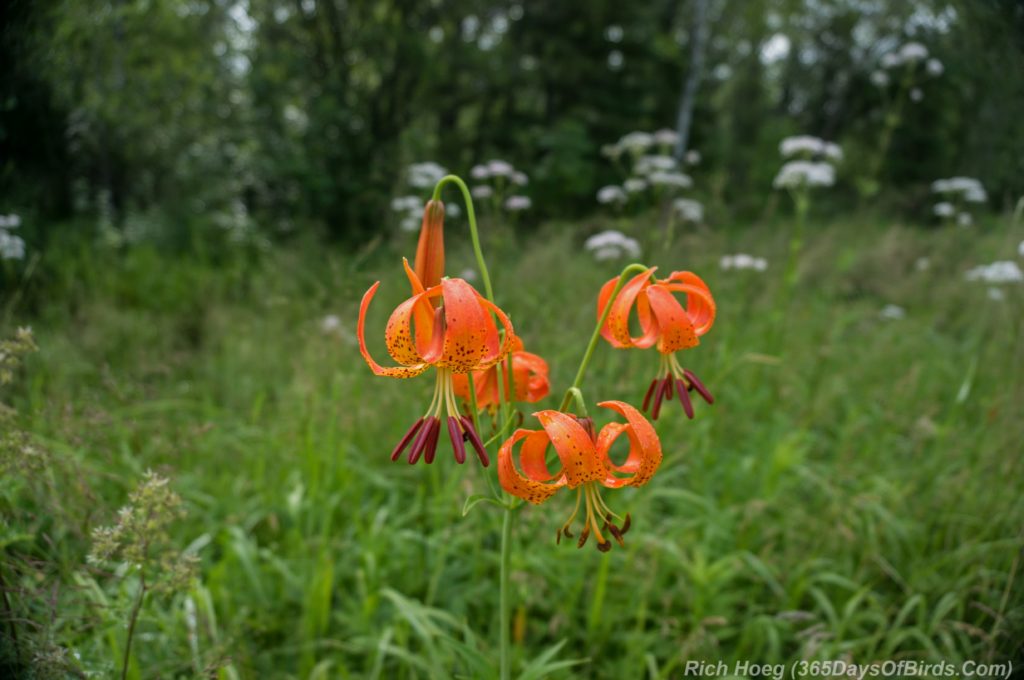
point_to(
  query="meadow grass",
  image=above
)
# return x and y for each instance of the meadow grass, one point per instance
(854, 492)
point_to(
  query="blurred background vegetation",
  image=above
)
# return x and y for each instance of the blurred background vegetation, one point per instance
(182, 116)
(195, 194)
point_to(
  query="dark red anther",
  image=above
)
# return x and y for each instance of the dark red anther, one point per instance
(588, 425)
(668, 393)
(422, 439)
(455, 433)
(406, 439)
(625, 524)
(650, 393)
(604, 547)
(583, 538)
(558, 537)
(699, 386)
(662, 390)
(474, 439)
(430, 450)
(684, 398)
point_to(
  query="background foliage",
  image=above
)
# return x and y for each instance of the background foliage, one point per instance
(204, 191)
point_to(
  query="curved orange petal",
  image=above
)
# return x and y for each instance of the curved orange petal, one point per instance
(618, 317)
(644, 447)
(424, 314)
(393, 371)
(510, 336)
(516, 483)
(602, 302)
(531, 376)
(700, 305)
(675, 328)
(575, 448)
(469, 330)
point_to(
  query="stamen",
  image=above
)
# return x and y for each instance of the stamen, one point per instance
(455, 434)
(430, 450)
(421, 440)
(583, 537)
(558, 537)
(616, 534)
(474, 439)
(647, 397)
(668, 387)
(699, 386)
(663, 388)
(406, 439)
(626, 524)
(684, 398)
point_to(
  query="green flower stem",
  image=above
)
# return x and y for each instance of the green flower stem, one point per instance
(504, 605)
(634, 268)
(504, 621)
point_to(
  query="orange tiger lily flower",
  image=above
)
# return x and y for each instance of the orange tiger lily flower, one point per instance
(586, 466)
(665, 324)
(529, 375)
(456, 337)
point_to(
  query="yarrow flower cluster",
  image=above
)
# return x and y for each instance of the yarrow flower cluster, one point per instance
(743, 261)
(650, 164)
(425, 175)
(689, 210)
(496, 179)
(1003, 271)
(810, 162)
(612, 245)
(906, 58)
(892, 312)
(12, 247)
(955, 194)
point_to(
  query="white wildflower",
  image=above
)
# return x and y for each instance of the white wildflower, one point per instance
(832, 152)
(892, 312)
(499, 168)
(407, 204)
(964, 219)
(922, 264)
(805, 173)
(410, 223)
(612, 245)
(879, 78)
(634, 185)
(517, 203)
(743, 261)
(996, 294)
(330, 324)
(453, 210)
(11, 221)
(916, 94)
(934, 67)
(671, 179)
(636, 142)
(891, 60)
(689, 209)
(692, 157)
(944, 209)
(1004, 271)
(645, 165)
(11, 247)
(479, 172)
(801, 144)
(666, 137)
(468, 274)
(913, 52)
(520, 178)
(481, 191)
(611, 194)
(1020, 249)
(426, 175)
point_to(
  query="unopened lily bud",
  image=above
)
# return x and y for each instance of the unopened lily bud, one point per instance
(430, 249)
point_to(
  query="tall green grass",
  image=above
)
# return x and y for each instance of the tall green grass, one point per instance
(854, 493)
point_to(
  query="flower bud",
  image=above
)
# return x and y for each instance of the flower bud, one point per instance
(430, 249)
